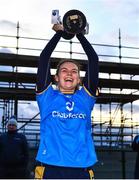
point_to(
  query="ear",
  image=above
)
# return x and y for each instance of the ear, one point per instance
(56, 78)
(79, 81)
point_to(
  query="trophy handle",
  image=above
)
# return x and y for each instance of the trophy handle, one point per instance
(74, 22)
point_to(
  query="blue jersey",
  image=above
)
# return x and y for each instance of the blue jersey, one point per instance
(66, 128)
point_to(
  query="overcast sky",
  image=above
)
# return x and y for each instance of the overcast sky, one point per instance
(105, 18)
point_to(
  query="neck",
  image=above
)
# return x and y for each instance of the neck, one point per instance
(67, 91)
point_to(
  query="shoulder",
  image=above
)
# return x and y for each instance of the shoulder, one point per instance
(48, 89)
(21, 135)
(3, 135)
(83, 90)
(136, 139)
(48, 93)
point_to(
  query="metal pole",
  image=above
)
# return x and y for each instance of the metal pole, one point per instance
(16, 84)
(122, 120)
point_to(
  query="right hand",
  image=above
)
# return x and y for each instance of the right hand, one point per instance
(58, 27)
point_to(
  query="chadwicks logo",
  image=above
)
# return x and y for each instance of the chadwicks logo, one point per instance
(69, 107)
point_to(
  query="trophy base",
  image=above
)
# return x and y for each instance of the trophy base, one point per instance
(67, 36)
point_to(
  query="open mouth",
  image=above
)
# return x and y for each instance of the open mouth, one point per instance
(68, 80)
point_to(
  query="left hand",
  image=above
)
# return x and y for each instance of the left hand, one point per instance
(58, 27)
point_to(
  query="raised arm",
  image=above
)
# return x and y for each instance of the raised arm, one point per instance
(91, 77)
(43, 73)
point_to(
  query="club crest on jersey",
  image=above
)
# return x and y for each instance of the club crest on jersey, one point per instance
(69, 105)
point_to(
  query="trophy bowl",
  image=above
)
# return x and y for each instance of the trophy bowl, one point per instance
(74, 21)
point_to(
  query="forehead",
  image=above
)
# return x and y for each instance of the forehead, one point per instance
(68, 65)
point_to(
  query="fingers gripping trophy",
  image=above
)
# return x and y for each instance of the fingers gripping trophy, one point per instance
(74, 22)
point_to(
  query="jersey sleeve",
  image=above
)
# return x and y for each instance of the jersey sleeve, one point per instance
(90, 80)
(43, 73)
